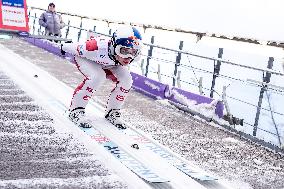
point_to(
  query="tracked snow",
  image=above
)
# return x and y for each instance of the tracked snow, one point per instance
(236, 161)
(34, 155)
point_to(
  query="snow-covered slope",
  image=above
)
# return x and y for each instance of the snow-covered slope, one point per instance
(46, 90)
(209, 146)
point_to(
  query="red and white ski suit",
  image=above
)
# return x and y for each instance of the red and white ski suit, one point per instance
(93, 61)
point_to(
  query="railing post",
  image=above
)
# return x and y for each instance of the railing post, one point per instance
(67, 30)
(216, 72)
(80, 30)
(29, 16)
(178, 79)
(150, 52)
(200, 86)
(266, 79)
(91, 33)
(178, 58)
(39, 30)
(34, 24)
(142, 66)
(224, 98)
(159, 73)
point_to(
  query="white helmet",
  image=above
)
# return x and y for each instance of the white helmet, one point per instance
(126, 42)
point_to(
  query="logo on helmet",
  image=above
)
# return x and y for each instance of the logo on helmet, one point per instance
(134, 40)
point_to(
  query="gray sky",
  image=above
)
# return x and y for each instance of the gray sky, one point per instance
(261, 19)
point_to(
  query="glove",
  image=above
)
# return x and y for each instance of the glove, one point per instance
(61, 50)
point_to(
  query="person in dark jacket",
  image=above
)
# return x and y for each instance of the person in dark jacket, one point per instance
(51, 21)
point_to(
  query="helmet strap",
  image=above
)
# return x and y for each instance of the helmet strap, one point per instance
(112, 54)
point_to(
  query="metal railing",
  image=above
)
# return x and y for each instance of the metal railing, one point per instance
(151, 59)
(199, 35)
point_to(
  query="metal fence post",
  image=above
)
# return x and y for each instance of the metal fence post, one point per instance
(150, 52)
(34, 24)
(159, 73)
(216, 72)
(266, 79)
(178, 58)
(142, 66)
(225, 101)
(200, 86)
(94, 30)
(39, 30)
(178, 79)
(80, 30)
(67, 30)
(29, 16)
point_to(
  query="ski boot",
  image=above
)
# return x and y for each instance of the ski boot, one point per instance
(77, 116)
(113, 116)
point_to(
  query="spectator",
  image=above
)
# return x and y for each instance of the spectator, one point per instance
(51, 21)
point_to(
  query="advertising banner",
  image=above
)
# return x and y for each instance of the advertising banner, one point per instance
(13, 15)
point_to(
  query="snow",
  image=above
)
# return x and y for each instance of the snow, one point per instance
(182, 99)
(234, 89)
(47, 98)
(84, 182)
(151, 85)
(207, 110)
(165, 102)
(9, 61)
(202, 150)
(257, 161)
(230, 140)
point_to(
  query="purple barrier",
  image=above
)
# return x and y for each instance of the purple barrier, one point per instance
(199, 99)
(45, 44)
(147, 86)
(154, 88)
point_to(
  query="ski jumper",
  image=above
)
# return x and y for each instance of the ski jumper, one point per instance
(93, 61)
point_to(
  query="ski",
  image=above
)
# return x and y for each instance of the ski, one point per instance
(124, 157)
(141, 141)
(172, 159)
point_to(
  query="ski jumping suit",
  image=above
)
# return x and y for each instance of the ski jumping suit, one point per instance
(93, 61)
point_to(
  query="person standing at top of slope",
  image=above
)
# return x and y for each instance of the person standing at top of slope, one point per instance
(51, 21)
(100, 58)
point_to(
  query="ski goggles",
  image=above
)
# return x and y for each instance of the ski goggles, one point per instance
(125, 52)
